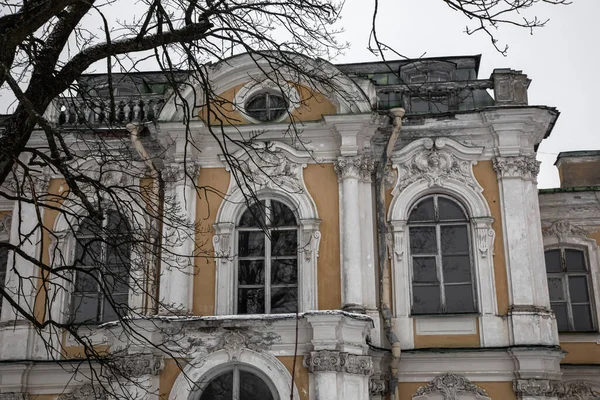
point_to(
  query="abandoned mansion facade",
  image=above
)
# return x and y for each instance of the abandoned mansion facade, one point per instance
(378, 237)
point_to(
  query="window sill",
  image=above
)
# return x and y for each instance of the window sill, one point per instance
(446, 324)
(579, 337)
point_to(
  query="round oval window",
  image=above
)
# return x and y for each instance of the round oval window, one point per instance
(266, 107)
(237, 383)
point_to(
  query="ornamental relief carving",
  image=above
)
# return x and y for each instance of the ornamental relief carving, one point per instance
(86, 392)
(435, 162)
(336, 361)
(524, 167)
(136, 365)
(562, 229)
(450, 386)
(270, 169)
(178, 172)
(577, 390)
(14, 396)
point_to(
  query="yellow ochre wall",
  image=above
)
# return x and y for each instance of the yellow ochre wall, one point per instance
(313, 107)
(321, 182)
(496, 390)
(212, 184)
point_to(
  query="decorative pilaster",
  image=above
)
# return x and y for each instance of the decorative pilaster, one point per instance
(523, 243)
(179, 235)
(349, 170)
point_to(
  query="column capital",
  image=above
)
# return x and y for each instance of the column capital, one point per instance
(354, 167)
(176, 173)
(337, 361)
(523, 167)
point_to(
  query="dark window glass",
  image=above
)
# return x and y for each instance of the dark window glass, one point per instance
(237, 383)
(267, 259)
(569, 290)
(266, 107)
(441, 257)
(103, 254)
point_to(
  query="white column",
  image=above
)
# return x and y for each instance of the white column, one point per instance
(177, 267)
(348, 170)
(531, 318)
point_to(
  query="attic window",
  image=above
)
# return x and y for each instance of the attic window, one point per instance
(266, 106)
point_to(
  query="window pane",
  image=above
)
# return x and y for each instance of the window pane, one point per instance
(454, 239)
(284, 300)
(254, 213)
(86, 281)
(284, 243)
(251, 244)
(562, 320)
(556, 290)
(456, 268)
(459, 298)
(449, 210)
(253, 388)
(88, 252)
(276, 102)
(251, 301)
(251, 272)
(118, 252)
(116, 223)
(424, 270)
(111, 313)
(575, 260)
(84, 308)
(423, 211)
(553, 260)
(284, 272)
(257, 102)
(220, 388)
(89, 227)
(578, 289)
(582, 317)
(281, 215)
(426, 299)
(423, 240)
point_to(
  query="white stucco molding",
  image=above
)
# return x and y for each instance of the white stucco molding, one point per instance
(289, 93)
(451, 387)
(244, 68)
(233, 350)
(269, 170)
(562, 233)
(443, 166)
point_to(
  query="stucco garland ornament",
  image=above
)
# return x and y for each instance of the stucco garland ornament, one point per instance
(5, 224)
(525, 167)
(270, 169)
(450, 386)
(87, 391)
(336, 361)
(434, 164)
(562, 229)
(136, 365)
(14, 396)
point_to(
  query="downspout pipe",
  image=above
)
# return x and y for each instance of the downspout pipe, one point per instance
(383, 247)
(159, 194)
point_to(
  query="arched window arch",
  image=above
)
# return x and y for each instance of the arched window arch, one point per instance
(267, 259)
(570, 288)
(102, 264)
(440, 257)
(238, 382)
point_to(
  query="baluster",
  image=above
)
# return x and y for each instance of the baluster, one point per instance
(62, 117)
(150, 110)
(136, 112)
(127, 111)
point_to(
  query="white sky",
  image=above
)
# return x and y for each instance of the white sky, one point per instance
(561, 59)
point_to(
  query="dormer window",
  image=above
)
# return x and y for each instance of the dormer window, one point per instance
(266, 106)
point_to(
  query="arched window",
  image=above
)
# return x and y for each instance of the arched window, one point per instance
(568, 272)
(238, 383)
(266, 106)
(440, 252)
(267, 262)
(102, 259)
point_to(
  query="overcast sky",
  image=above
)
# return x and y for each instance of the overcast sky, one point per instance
(562, 59)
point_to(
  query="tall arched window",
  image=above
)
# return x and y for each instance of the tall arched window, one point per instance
(569, 289)
(440, 251)
(238, 383)
(267, 270)
(102, 259)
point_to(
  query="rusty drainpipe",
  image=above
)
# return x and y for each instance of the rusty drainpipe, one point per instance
(382, 244)
(158, 189)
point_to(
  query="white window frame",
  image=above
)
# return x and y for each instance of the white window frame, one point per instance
(418, 177)
(576, 239)
(290, 190)
(235, 367)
